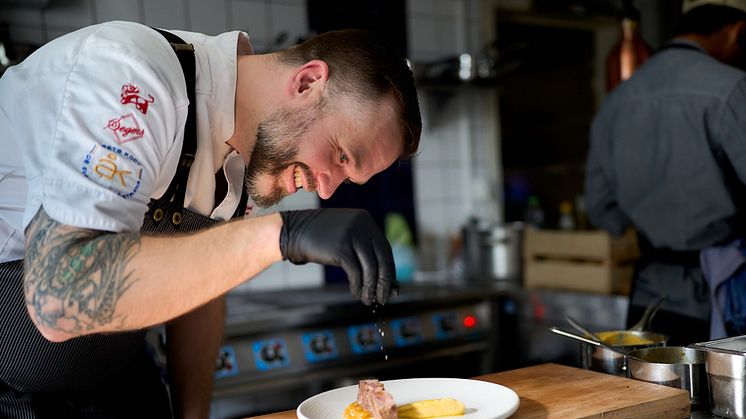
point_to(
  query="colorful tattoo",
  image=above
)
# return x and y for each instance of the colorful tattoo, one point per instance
(74, 277)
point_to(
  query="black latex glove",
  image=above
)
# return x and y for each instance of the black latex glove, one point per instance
(348, 238)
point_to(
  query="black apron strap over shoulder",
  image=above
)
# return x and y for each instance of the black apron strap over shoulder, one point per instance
(171, 204)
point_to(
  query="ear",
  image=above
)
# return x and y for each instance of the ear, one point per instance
(734, 41)
(309, 79)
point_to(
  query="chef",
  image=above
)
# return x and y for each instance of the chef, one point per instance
(667, 158)
(126, 151)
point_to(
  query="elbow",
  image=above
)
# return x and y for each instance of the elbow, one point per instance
(52, 335)
(46, 329)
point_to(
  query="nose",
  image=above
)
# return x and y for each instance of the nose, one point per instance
(327, 183)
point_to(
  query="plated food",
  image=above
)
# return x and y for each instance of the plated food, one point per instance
(374, 402)
(482, 400)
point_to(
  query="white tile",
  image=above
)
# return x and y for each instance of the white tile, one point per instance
(428, 183)
(422, 37)
(429, 150)
(309, 275)
(453, 217)
(108, 10)
(271, 278)
(165, 14)
(208, 17)
(56, 33)
(426, 7)
(430, 217)
(252, 17)
(259, 44)
(69, 14)
(30, 35)
(456, 182)
(289, 19)
(296, 3)
(449, 39)
(17, 15)
(455, 148)
(299, 200)
(449, 8)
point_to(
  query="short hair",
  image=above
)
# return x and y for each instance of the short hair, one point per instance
(705, 20)
(362, 65)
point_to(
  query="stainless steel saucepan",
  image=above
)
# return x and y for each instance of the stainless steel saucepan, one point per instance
(673, 366)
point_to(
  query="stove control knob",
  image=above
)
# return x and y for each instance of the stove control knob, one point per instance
(409, 330)
(320, 344)
(448, 324)
(273, 352)
(366, 337)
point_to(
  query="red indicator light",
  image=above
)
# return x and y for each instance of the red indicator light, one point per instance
(470, 321)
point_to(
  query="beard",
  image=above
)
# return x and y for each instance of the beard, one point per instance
(277, 140)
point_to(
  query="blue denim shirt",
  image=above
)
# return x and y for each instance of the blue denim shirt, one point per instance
(652, 161)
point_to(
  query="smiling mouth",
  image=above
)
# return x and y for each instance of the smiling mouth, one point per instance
(298, 177)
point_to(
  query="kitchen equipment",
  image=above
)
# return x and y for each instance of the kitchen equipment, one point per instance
(602, 360)
(596, 343)
(492, 253)
(582, 329)
(726, 371)
(558, 391)
(284, 346)
(647, 316)
(673, 366)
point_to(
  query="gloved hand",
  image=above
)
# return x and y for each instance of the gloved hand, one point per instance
(348, 238)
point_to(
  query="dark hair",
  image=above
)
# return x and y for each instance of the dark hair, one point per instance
(363, 65)
(705, 20)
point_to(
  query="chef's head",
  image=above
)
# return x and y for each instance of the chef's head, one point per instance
(352, 112)
(723, 21)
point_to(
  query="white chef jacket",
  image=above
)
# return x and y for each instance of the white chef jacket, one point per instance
(91, 127)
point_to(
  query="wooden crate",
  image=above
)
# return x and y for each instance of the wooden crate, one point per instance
(590, 261)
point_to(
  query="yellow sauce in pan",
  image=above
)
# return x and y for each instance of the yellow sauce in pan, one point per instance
(622, 339)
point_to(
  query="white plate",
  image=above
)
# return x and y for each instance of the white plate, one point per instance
(482, 400)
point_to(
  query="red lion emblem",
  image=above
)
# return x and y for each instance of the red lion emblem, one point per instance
(130, 94)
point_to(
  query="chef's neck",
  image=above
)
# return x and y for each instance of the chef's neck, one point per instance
(722, 44)
(259, 80)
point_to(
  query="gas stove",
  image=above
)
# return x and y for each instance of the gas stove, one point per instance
(287, 345)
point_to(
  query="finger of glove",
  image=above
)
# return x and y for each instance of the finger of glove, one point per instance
(386, 271)
(366, 253)
(354, 276)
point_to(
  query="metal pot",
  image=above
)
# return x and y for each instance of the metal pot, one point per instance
(603, 360)
(493, 253)
(726, 371)
(673, 366)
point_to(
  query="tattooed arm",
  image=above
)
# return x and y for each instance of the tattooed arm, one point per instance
(80, 281)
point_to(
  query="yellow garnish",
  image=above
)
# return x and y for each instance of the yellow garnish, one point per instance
(355, 411)
(432, 408)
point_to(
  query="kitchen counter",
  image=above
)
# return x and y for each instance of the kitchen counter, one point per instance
(552, 390)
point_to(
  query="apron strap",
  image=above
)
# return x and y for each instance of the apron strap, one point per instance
(171, 204)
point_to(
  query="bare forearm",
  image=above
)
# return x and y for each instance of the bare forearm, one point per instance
(81, 281)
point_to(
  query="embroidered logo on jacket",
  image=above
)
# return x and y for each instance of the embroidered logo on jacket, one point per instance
(131, 94)
(125, 128)
(113, 168)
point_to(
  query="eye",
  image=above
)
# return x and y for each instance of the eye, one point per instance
(343, 158)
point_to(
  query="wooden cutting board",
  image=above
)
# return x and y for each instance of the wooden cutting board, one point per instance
(558, 391)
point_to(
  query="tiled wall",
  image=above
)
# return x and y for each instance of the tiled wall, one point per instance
(456, 174)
